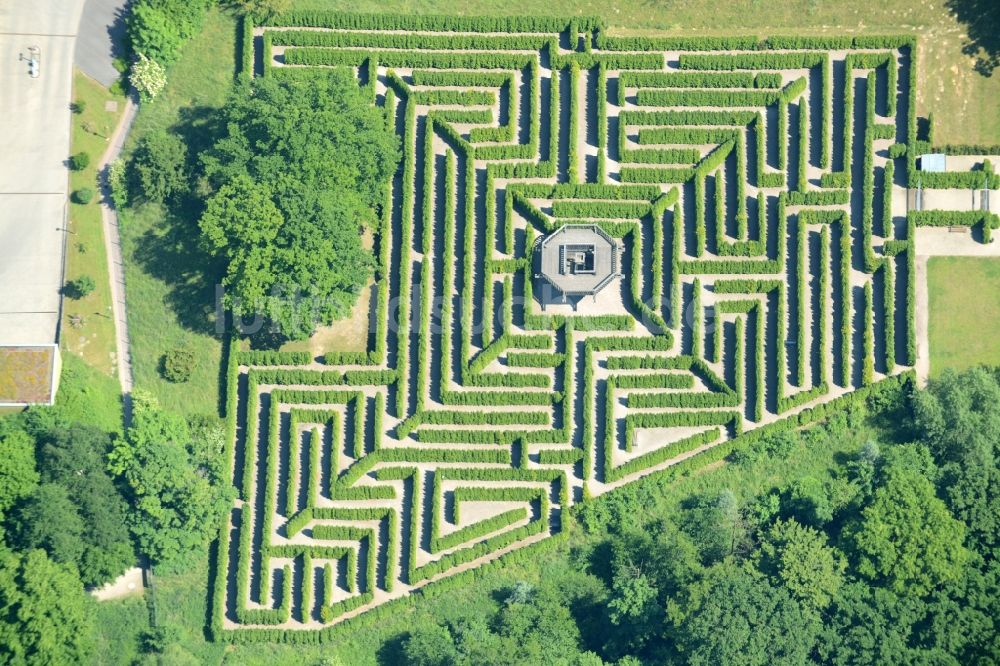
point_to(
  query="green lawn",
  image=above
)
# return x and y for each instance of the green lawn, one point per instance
(963, 319)
(119, 624)
(86, 395)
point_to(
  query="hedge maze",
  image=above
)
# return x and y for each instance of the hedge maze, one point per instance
(766, 278)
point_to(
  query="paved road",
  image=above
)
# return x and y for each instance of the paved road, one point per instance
(100, 27)
(34, 147)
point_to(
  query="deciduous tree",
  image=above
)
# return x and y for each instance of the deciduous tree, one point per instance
(175, 508)
(906, 538)
(800, 559)
(736, 617)
(18, 473)
(300, 173)
(44, 617)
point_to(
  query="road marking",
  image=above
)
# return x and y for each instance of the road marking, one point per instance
(32, 34)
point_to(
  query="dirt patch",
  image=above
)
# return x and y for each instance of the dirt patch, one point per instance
(126, 585)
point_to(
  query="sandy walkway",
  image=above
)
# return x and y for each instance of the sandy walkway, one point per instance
(127, 584)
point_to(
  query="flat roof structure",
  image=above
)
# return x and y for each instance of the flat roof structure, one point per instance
(936, 162)
(29, 375)
(579, 260)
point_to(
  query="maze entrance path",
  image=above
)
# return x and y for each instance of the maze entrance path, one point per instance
(766, 279)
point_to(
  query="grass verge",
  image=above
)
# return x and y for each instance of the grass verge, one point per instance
(960, 318)
(88, 328)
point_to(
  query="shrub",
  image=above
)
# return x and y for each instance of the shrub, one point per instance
(158, 167)
(263, 8)
(80, 288)
(83, 196)
(767, 80)
(427, 22)
(80, 161)
(158, 28)
(79, 106)
(178, 364)
(750, 61)
(117, 183)
(148, 77)
(969, 149)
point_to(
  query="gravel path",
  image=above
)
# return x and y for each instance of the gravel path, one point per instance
(116, 267)
(132, 579)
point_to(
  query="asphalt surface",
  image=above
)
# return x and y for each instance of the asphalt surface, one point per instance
(34, 148)
(101, 26)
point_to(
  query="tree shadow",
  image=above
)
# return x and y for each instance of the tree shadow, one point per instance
(171, 250)
(982, 22)
(392, 650)
(171, 253)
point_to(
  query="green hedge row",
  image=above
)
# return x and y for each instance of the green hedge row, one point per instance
(482, 548)
(682, 400)
(798, 60)
(868, 340)
(750, 43)
(427, 59)
(818, 198)
(246, 48)
(477, 530)
(273, 358)
(660, 455)
(501, 398)
(464, 494)
(948, 180)
(968, 149)
(401, 40)
(602, 122)
(535, 359)
(699, 97)
(505, 380)
(430, 22)
(946, 218)
(430, 77)
(688, 117)
(688, 80)
(767, 80)
(454, 417)
(459, 97)
(600, 209)
(665, 175)
(695, 135)
(657, 381)
(649, 362)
